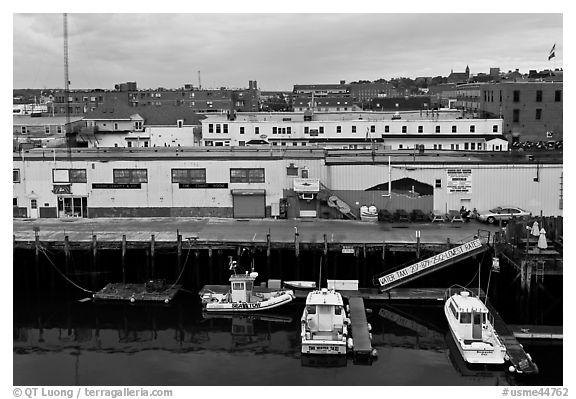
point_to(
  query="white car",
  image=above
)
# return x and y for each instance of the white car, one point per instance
(502, 213)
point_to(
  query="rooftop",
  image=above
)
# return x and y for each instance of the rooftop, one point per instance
(28, 120)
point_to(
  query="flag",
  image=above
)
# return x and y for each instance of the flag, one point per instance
(552, 52)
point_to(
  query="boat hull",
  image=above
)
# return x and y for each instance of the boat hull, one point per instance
(479, 353)
(274, 302)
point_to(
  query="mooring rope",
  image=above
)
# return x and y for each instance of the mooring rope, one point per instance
(183, 268)
(43, 250)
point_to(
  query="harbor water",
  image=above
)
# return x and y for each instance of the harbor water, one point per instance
(61, 340)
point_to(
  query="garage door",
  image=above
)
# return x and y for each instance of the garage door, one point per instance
(249, 203)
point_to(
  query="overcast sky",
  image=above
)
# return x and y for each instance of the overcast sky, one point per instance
(277, 50)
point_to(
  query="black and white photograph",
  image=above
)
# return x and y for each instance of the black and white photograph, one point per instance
(250, 198)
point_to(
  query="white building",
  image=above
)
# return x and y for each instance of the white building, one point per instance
(251, 182)
(355, 130)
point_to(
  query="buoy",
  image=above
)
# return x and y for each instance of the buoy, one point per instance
(506, 357)
(511, 369)
(374, 353)
(369, 327)
(132, 300)
(370, 336)
(348, 308)
(350, 343)
(166, 300)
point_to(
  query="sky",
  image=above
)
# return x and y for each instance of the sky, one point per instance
(278, 50)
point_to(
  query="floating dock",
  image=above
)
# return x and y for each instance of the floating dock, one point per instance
(136, 293)
(362, 344)
(536, 332)
(521, 360)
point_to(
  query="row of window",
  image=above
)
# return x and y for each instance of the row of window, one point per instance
(539, 96)
(467, 146)
(516, 115)
(129, 176)
(25, 129)
(320, 130)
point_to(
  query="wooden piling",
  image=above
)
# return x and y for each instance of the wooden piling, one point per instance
(179, 252)
(37, 257)
(383, 255)
(66, 254)
(124, 258)
(418, 244)
(297, 244)
(210, 267)
(152, 245)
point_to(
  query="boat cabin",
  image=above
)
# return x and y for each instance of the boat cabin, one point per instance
(470, 314)
(241, 286)
(324, 313)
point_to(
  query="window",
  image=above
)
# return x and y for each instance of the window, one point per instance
(241, 143)
(494, 128)
(69, 175)
(23, 129)
(438, 183)
(304, 173)
(451, 146)
(453, 128)
(210, 128)
(129, 144)
(372, 128)
(115, 126)
(538, 114)
(437, 129)
(138, 125)
(274, 130)
(538, 96)
(146, 144)
(33, 204)
(404, 129)
(256, 130)
(246, 175)
(241, 129)
(439, 146)
(188, 175)
(291, 170)
(420, 129)
(125, 176)
(479, 146)
(558, 95)
(472, 128)
(59, 129)
(465, 318)
(516, 116)
(338, 129)
(47, 129)
(217, 128)
(516, 96)
(465, 146)
(289, 130)
(321, 129)
(306, 130)
(472, 146)
(14, 201)
(387, 129)
(353, 129)
(180, 123)
(237, 286)
(16, 176)
(399, 146)
(225, 128)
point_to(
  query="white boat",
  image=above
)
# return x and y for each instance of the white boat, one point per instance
(300, 285)
(472, 328)
(242, 298)
(324, 324)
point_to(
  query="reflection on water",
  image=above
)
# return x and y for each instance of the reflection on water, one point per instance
(64, 342)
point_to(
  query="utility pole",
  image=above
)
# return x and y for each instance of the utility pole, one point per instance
(199, 82)
(69, 134)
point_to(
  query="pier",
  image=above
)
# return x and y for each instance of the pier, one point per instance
(362, 349)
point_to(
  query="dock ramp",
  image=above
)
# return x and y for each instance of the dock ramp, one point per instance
(360, 334)
(403, 274)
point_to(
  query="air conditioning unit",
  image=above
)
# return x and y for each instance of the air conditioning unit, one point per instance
(307, 196)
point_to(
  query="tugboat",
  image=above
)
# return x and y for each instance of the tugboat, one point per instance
(472, 328)
(242, 297)
(324, 324)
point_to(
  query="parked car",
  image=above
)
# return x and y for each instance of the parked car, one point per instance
(504, 213)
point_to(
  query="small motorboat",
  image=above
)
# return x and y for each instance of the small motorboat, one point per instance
(472, 328)
(300, 285)
(241, 296)
(324, 324)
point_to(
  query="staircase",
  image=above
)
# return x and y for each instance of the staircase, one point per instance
(336, 202)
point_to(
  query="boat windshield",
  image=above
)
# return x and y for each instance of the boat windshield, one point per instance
(465, 318)
(311, 309)
(338, 310)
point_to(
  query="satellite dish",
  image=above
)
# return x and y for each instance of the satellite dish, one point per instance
(254, 274)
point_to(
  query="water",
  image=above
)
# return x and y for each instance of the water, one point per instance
(61, 341)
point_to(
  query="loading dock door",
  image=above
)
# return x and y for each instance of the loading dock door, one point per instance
(249, 203)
